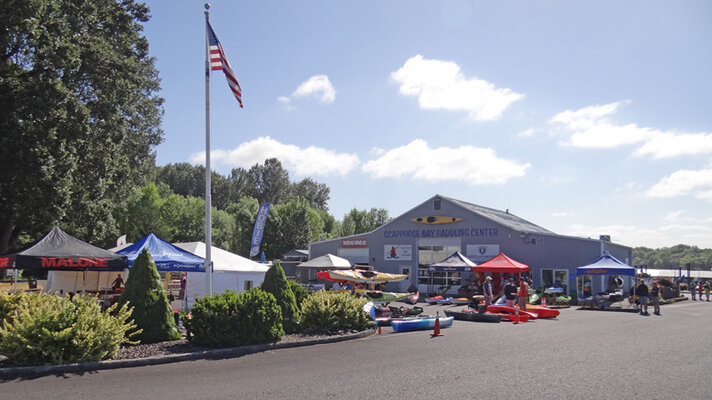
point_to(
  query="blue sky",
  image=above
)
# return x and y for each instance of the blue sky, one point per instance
(584, 117)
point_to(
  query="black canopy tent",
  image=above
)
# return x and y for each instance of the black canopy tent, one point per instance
(58, 250)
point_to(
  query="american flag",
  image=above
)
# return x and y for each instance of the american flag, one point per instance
(218, 61)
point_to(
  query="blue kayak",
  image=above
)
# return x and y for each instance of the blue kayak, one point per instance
(419, 324)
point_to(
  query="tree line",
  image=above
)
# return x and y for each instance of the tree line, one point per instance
(679, 256)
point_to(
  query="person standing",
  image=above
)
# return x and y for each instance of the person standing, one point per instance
(117, 282)
(523, 294)
(707, 289)
(693, 286)
(642, 292)
(699, 290)
(510, 293)
(487, 291)
(654, 297)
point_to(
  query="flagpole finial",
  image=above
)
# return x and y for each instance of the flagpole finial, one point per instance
(207, 6)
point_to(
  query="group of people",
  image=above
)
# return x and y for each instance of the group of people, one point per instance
(700, 287)
(645, 294)
(510, 291)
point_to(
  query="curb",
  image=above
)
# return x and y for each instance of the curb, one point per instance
(15, 372)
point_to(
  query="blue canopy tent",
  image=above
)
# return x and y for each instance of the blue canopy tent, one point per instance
(456, 262)
(605, 265)
(166, 256)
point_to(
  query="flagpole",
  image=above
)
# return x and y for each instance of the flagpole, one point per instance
(208, 200)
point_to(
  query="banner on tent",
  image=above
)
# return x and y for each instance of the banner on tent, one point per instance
(259, 229)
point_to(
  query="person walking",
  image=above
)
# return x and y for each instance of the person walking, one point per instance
(523, 294)
(707, 289)
(487, 291)
(510, 293)
(642, 292)
(654, 297)
(699, 290)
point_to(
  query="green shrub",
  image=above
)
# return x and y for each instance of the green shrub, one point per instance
(46, 329)
(152, 311)
(230, 319)
(324, 312)
(275, 282)
(300, 293)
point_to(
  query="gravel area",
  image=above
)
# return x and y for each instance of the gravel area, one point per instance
(183, 346)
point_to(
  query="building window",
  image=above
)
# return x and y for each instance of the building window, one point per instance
(248, 285)
(430, 255)
(436, 205)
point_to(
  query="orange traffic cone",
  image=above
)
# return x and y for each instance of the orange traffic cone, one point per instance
(543, 301)
(516, 314)
(436, 331)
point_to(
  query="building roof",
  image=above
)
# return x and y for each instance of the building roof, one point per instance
(501, 217)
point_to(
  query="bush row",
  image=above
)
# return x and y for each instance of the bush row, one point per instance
(39, 329)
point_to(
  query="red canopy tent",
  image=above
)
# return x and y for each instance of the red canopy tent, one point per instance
(501, 263)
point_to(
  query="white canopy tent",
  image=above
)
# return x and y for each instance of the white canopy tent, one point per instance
(230, 272)
(308, 269)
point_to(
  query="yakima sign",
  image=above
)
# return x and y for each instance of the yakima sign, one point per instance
(353, 243)
(74, 262)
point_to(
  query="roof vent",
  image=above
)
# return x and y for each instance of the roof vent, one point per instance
(605, 238)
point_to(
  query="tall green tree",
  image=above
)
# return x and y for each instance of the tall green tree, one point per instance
(146, 294)
(361, 221)
(275, 282)
(79, 114)
(268, 183)
(317, 194)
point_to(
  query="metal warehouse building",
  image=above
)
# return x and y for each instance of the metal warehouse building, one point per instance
(441, 226)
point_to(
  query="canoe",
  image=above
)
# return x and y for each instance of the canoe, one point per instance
(433, 300)
(461, 301)
(542, 311)
(419, 324)
(382, 297)
(447, 300)
(363, 276)
(510, 310)
(474, 316)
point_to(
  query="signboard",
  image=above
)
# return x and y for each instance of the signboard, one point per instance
(480, 253)
(259, 229)
(353, 243)
(401, 252)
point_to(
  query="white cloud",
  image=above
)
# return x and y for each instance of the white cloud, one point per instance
(664, 235)
(562, 214)
(302, 161)
(683, 182)
(589, 127)
(318, 86)
(666, 145)
(440, 85)
(472, 165)
(527, 133)
(283, 99)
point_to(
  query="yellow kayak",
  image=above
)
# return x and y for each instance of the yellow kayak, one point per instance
(362, 276)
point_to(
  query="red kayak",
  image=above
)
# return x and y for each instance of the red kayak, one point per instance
(542, 311)
(510, 310)
(512, 317)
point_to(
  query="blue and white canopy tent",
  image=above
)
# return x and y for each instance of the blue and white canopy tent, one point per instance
(167, 256)
(606, 265)
(456, 262)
